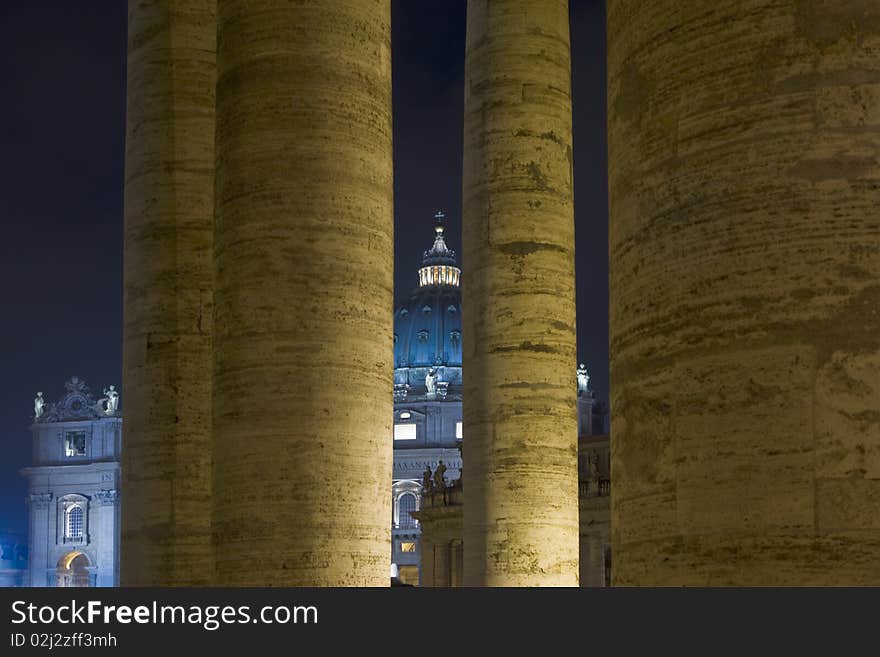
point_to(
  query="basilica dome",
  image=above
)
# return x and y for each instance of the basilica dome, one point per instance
(427, 326)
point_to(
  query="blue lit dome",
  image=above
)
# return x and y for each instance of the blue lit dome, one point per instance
(427, 327)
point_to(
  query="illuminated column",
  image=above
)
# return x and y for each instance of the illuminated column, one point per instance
(520, 425)
(745, 286)
(169, 202)
(304, 312)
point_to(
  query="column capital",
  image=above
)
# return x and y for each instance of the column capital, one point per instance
(107, 497)
(39, 500)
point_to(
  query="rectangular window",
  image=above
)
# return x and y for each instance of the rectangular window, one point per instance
(407, 546)
(75, 443)
(405, 431)
(458, 430)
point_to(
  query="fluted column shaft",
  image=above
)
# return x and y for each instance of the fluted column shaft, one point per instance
(744, 186)
(169, 187)
(520, 425)
(304, 265)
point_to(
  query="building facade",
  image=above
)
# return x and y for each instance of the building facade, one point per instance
(73, 486)
(428, 437)
(73, 482)
(427, 396)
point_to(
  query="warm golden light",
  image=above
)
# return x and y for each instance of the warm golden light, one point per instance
(439, 275)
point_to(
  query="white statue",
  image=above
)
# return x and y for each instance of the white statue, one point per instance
(431, 381)
(112, 400)
(39, 405)
(583, 378)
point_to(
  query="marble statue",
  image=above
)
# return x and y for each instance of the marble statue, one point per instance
(583, 378)
(431, 381)
(39, 405)
(112, 400)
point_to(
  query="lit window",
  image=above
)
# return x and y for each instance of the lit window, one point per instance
(405, 431)
(406, 504)
(458, 430)
(75, 443)
(74, 522)
(405, 415)
(439, 275)
(407, 546)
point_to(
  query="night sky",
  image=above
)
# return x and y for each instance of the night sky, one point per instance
(61, 182)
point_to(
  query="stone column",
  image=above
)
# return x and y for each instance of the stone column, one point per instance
(745, 284)
(40, 534)
(169, 188)
(520, 425)
(441, 574)
(594, 569)
(304, 309)
(426, 562)
(104, 530)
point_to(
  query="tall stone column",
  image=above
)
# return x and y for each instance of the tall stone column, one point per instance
(304, 294)
(39, 535)
(169, 188)
(744, 241)
(441, 574)
(426, 563)
(520, 425)
(105, 513)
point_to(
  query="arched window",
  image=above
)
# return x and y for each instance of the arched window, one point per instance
(74, 522)
(407, 504)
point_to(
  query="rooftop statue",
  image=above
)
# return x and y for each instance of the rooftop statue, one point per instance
(112, 400)
(427, 484)
(439, 478)
(39, 405)
(431, 381)
(583, 378)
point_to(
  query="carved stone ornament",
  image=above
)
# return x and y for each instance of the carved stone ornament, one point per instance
(77, 404)
(39, 500)
(107, 497)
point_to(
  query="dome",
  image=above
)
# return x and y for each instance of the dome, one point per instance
(427, 326)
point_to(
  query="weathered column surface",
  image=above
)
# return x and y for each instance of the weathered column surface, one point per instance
(304, 310)
(520, 425)
(745, 291)
(169, 188)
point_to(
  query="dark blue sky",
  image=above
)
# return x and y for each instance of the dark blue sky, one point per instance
(61, 181)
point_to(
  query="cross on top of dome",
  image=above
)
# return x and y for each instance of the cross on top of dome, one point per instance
(439, 253)
(438, 264)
